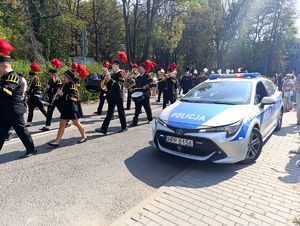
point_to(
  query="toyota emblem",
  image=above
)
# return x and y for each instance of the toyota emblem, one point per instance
(179, 131)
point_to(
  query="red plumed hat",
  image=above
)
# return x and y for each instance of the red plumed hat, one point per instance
(56, 63)
(82, 70)
(135, 66)
(106, 64)
(5, 47)
(122, 56)
(172, 67)
(34, 67)
(149, 65)
(74, 66)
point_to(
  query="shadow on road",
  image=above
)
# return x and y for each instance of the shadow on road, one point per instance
(292, 168)
(151, 167)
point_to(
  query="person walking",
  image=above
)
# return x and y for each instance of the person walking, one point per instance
(11, 103)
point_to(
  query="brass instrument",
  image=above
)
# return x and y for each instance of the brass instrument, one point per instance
(129, 81)
(56, 96)
(103, 85)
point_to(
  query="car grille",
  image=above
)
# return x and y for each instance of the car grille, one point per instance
(202, 146)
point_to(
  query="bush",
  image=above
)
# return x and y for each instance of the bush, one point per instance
(23, 67)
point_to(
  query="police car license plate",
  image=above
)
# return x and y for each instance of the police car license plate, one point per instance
(180, 141)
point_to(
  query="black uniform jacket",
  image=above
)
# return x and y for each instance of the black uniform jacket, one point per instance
(170, 87)
(143, 83)
(53, 88)
(69, 100)
(11, 95)
(115, 87)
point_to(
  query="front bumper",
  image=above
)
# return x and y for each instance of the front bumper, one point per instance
(214, 147)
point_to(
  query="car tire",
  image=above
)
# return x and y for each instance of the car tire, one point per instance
(279, 121)
(254, 147)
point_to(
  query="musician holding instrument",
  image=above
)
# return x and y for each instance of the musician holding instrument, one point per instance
(114, 97)
(161, 77)
(170, 88)
(143, 84)
(53, 86)
(35, 95)
(103, 91)
(130, 82)
(69, 96)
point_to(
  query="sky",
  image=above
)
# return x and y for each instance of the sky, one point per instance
(298, 16)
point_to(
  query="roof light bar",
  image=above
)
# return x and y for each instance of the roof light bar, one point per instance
(236, 75)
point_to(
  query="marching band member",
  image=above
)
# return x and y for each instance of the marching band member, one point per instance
(70, 111)
(114, 98)
(35, 93)
(11, 103)
(103, 93)
(143, 83)
(132, 76)
(161, 78)
(170, 86)
(186, 82)
(54, 84)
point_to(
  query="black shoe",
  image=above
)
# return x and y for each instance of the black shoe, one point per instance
(123, 130)
(127, 109)
(132, 125)
(97, 113)
(100, 130)
(10, 136)
(53, 144)
(29, 154)
(157, 101)
(82, 141)
(28, 124)
(149, 121)
(44, 129)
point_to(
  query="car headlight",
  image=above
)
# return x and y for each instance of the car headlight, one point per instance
(161, 122)
(230, 130)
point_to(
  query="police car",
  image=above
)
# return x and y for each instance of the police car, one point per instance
(225, 119)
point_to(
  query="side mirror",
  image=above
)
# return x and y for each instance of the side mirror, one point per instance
(268, 101)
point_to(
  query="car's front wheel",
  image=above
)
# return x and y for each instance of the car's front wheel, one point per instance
(254, 146)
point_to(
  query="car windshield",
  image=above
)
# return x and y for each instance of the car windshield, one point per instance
(224, 92)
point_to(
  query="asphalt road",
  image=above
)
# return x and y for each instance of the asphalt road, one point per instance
(88, 184)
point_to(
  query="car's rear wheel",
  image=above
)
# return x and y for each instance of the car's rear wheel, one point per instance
(254, 146)
(279, 121)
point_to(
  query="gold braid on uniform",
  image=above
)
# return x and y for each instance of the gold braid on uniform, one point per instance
(13, 79)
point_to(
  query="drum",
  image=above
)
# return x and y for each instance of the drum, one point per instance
(92, 83)
(138, 96)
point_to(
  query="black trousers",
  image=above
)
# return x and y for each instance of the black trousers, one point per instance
(50, 111)
(167, 100)
(18, 123)
(102, 98)
(159, 95)
(138, 106)
(34, 102)
(111, 107)
(128, 99)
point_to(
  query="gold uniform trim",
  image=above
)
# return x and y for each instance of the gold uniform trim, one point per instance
(74, 87)
(7, 91)
(13, 79)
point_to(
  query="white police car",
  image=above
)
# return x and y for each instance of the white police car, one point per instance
(226, 119)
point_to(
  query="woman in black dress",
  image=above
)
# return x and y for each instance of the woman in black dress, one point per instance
(68, 98)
